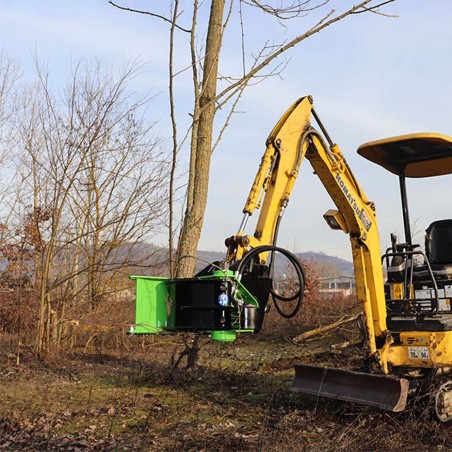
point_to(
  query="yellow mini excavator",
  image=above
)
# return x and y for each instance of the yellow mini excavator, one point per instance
(406, 316)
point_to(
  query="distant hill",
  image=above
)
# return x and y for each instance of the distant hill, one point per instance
(328, 264)
(345, 267)
(146, 258)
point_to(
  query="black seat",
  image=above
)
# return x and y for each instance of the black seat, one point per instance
(438, 242)
(438, 249)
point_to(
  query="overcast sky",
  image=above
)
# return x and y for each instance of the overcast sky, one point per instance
(371, 77)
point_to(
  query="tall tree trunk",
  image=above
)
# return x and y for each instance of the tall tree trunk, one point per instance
(200, 165)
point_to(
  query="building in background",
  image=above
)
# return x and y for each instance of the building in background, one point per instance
(341, 285)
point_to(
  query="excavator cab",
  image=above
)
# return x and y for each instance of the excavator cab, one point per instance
(419, 284)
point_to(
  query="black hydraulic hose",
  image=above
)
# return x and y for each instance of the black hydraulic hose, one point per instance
(276, 297)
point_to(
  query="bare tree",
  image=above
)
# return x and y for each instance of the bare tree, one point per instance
(214, 89)
(91, 189)
(9, 75)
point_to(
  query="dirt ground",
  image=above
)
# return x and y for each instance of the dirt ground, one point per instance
(238, 398)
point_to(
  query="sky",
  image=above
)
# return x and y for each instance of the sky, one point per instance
(371, 77)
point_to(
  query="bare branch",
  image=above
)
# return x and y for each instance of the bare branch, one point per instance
(228, 119)
(321, 25)
(242, 37)
(374, 9)
(286, 12)
(149, 13)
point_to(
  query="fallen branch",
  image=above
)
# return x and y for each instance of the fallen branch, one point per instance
(345, 344)
(323, 329)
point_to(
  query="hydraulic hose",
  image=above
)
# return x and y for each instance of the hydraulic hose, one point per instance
(275, 296)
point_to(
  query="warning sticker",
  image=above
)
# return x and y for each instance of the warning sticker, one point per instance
(418, 353)
(444, 304)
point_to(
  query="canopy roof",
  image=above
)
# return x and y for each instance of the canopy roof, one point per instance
(415, 155)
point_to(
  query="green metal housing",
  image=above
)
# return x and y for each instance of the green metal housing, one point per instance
(157, 305)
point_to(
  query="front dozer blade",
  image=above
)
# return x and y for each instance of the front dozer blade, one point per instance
(383, 391)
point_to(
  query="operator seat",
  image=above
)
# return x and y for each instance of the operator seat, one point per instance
(438, 249)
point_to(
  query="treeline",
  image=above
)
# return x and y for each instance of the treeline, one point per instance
(82, 173)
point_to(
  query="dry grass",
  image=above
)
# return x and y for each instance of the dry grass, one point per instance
(108, 391)
(237, 399)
